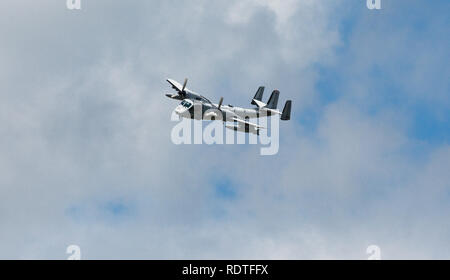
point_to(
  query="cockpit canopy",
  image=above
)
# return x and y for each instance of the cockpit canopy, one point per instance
(186, 103)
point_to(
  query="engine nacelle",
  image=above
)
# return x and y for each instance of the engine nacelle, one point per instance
(174, 96)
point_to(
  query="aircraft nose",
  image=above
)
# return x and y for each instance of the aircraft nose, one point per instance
(179, 110)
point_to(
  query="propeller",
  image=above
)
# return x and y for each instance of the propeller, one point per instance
(184, 86)
(220, 103)
(214, 114)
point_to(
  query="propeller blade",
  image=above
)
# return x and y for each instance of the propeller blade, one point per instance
(220, 102)
(184, 85)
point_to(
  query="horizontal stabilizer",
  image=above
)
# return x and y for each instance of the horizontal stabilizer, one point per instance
(258, 103)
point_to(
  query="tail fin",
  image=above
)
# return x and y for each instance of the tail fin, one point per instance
(286, 115)
(273, 100)
(258, 95)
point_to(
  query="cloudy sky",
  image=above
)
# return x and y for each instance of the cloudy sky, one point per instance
(86, 156)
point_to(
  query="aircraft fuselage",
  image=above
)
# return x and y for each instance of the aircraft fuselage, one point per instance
(208, 111)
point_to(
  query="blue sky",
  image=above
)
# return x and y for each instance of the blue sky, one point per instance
(425, 24)
(87, 157)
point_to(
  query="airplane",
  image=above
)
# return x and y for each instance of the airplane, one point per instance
(192, 101)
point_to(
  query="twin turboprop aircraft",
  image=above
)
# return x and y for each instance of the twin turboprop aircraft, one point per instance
(193, 102)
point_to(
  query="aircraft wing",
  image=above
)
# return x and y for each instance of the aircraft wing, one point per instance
(245, 126)
(244, 122)
(176, 85)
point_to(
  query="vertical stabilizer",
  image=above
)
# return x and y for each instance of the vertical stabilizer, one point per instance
(258, 95)
(273, 100)
(286, 115)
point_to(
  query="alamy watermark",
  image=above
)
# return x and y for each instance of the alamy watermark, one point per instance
(73, 4)
(74, 252)
(374, 252)
(373, 4)
(188, 131)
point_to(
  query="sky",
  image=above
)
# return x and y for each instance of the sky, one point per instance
(86, 156)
